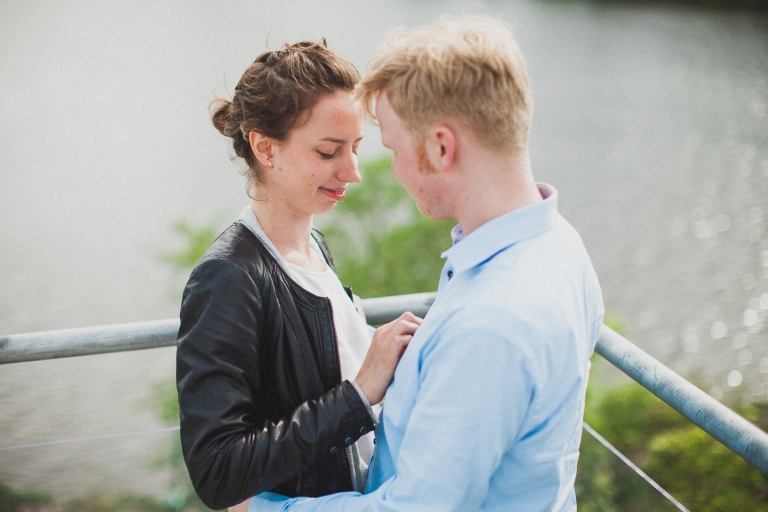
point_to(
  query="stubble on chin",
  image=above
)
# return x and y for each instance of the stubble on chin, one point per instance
(431, 203)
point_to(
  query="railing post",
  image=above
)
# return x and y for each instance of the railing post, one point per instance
(735, 432)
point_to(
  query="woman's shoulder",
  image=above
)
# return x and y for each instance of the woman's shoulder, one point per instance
(238, 245)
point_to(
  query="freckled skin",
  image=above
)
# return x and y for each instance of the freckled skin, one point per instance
(410, 164)
(334, 129)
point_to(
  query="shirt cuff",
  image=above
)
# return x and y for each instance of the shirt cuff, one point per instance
(374, 416)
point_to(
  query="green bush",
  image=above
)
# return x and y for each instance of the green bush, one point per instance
(180, 495)
(196, 240)
(692, 466)
(12, 500)
(98, 502)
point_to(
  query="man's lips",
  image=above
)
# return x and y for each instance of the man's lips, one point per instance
(336, 194)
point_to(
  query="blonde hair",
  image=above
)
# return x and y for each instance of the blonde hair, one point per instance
(469, 70)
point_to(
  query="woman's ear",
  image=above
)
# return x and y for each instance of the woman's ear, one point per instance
(262, 148)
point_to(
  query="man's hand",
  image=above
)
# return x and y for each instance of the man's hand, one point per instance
(389, 342)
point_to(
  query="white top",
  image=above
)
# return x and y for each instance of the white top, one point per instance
(352, 334)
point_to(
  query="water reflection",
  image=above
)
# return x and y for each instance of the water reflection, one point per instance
(740, 340)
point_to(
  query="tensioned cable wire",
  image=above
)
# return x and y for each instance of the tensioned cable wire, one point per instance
(636, 469)
(92, 438)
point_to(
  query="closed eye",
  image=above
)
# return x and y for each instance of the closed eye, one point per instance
(325, 156)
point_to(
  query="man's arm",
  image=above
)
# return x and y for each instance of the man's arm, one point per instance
(473, 396)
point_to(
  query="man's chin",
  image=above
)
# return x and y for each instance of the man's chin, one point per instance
(430, 213)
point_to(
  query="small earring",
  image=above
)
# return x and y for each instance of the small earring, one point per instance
(269, 164)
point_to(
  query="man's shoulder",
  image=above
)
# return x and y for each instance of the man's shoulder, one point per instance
(546, 267)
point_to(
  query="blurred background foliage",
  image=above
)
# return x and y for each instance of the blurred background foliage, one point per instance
(692, 466)
(383, 246)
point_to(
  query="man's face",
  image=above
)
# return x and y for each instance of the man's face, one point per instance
(410, 164)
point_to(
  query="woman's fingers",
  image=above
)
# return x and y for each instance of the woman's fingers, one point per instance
(403, 340)
(388, 345)
(407, 321)
(406, 327)
(410, 317)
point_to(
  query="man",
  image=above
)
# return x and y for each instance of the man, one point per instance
(485, 409)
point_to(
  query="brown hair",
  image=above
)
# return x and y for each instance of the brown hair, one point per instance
(469, 70)
(276, 92)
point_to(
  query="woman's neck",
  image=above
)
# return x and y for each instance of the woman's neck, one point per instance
(289, 231)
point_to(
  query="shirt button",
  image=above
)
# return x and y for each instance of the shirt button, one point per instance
(334, 450)
(363, 431)
(349, 441)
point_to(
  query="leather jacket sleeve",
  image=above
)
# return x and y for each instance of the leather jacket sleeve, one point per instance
(231, 449)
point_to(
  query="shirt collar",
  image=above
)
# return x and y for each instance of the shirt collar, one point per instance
(248, 219)
(498, 234)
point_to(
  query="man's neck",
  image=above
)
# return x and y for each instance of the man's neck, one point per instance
(492, 186)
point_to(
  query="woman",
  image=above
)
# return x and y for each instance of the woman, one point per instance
(274, 371)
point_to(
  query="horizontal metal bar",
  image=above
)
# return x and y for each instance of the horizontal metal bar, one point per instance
(84, 341)
(35, 346)
(735, 432)
(726, 426)
(385, 309)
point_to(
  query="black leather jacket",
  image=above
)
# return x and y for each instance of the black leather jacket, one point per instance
(257, 369)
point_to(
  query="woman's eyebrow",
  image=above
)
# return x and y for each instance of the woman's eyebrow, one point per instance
(340, 141)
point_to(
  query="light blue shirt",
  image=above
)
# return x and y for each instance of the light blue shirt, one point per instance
(485, 410)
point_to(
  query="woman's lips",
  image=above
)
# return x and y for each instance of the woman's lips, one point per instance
(337, 194)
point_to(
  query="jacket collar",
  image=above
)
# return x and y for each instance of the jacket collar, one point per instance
(496, 235)
(248, 219)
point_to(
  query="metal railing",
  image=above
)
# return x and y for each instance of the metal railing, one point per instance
(735, 432)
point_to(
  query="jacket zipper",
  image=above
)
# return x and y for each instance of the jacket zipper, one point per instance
(335, 339)
(338, 360)
(298, 484)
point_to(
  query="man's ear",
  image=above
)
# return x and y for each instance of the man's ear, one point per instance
(262, 148)
(442, 142)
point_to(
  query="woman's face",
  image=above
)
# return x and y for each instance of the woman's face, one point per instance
(313, 167)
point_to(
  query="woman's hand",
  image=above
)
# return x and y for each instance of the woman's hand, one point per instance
(389, 342)
(242, 507)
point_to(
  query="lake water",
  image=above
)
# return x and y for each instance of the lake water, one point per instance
(650, 121)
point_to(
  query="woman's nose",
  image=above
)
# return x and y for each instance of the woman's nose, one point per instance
(349, 171)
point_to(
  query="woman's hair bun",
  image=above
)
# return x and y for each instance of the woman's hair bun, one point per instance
(221, 115)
